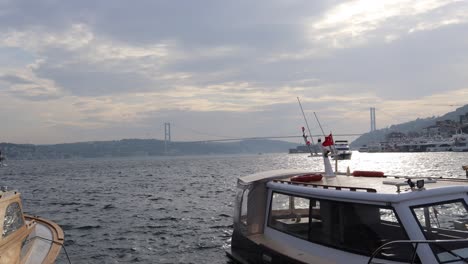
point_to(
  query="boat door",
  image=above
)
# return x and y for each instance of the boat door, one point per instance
(249, 215)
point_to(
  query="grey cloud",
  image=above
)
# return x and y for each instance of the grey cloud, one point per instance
(13, 79)
(208, 22)
(411, 67)
(95, 81)
(35, 94)
(199, 23)
(26, 89)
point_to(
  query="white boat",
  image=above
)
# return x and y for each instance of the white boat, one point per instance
(26, 239)
(299, 216)
(364, 148)
(460, 142)
(438, 147)
(300, 149)
(461, 147)
(341, 150)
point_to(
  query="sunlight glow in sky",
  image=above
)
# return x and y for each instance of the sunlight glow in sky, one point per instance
(85, 70)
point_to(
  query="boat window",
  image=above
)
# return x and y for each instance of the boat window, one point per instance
(444, 221)
(357, 228)
(244, 203)
(13, 219)
(290, 214)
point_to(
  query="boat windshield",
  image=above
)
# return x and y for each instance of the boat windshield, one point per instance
(445, 221)
(353, 227)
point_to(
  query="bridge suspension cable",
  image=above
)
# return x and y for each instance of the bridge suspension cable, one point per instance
(260, 138)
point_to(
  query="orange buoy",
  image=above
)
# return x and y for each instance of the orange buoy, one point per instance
(368, 173)
(307, 178)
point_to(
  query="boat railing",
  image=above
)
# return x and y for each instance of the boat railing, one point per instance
(415, 244)
(323, 186)
(424, 177)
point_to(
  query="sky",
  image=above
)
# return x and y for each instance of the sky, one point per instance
(73, 71)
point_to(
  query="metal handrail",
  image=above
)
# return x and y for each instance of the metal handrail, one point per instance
(326, 186)
(416, 243)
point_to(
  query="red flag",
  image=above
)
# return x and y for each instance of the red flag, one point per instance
(328, 141)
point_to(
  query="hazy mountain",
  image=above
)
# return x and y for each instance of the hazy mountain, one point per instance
(411, 126)
(140, 147)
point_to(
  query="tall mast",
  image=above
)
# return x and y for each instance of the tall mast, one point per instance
(323, 133)
(307, 124)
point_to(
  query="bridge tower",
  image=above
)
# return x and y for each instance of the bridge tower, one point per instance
(167, 136)
(372, 119)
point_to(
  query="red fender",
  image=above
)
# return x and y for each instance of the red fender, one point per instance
(368, 173)
(307, 178)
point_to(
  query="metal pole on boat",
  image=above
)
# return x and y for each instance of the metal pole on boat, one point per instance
(320, 125)
(323, 133)
(307, 124)
(307, 142)
(326, 163)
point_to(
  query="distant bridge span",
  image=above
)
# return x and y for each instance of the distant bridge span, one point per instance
(272, 137)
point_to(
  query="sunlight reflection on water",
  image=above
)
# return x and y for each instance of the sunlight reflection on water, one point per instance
(446, 164)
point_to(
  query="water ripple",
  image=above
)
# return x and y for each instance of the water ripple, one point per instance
(169, 210)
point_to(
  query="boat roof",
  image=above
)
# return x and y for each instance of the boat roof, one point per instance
(388, 188)
(269, 175)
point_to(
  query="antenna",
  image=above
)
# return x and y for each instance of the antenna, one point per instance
(319, 124)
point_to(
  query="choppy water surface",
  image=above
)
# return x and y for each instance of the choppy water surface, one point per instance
(172, 209)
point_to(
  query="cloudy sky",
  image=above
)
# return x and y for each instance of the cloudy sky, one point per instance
(103, 70)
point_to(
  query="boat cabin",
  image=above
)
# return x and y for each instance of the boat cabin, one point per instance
(350, 219)
(26, 239)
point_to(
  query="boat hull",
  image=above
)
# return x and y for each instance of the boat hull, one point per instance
(45, 241)
(343, 156)
(245, 251)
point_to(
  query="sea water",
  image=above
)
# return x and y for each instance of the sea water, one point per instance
(169, 209)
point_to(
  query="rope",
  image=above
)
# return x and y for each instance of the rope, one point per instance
(55, 242)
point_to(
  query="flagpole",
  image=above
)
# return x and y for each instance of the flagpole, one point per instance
(333, 145)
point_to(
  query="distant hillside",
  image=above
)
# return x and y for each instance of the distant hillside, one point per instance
(139, 147)
(412, 126)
